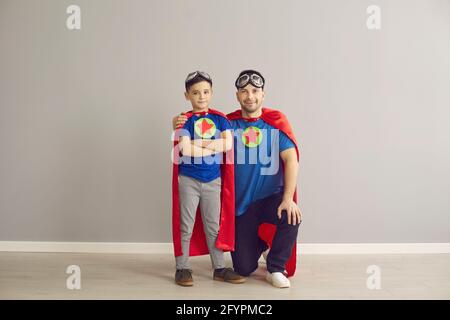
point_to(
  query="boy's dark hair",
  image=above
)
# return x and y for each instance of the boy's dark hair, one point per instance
(196, 77)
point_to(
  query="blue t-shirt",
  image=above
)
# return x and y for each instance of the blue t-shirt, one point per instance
(209, 126)
(258, 169)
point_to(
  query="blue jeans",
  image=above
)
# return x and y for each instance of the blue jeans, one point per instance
(248, 245)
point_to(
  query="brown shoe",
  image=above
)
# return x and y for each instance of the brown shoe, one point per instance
(183, 277)
(228, 275)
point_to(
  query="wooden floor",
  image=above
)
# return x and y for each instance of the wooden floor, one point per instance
(139, 276)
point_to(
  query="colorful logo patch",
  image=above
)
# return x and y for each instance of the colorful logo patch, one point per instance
(252, 137)
(205, 128)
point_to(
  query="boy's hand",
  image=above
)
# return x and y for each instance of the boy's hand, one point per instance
(203, 143)
(179, 120)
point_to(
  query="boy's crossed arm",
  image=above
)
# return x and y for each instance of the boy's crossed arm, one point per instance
(206, 147)
(219, 145)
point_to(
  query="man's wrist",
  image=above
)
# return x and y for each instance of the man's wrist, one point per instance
(287, 196)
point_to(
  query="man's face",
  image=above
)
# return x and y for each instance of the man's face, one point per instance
(199, 95)
(250, 98)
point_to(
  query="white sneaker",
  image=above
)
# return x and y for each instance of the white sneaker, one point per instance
(277, 279)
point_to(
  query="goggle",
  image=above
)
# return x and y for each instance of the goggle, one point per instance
(253, 78)
(196, 74)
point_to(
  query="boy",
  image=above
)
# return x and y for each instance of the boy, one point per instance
(203, 188)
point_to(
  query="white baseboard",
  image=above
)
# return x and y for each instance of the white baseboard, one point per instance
(373, 248)
(167, 248)
(86, 247)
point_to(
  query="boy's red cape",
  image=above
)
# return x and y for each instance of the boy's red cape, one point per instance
(279, 121)
(225, 238)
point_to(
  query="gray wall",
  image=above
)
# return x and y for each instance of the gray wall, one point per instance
(85, 115)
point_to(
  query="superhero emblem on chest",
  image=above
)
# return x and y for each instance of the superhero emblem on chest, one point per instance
(205, 128)
(252, 137)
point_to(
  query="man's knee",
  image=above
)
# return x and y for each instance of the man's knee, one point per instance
(243, 265)
(245, 271)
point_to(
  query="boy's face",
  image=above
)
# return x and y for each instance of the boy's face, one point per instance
(250, 98)
(199, 95)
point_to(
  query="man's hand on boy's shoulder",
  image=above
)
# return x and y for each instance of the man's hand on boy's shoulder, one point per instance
(179, 120)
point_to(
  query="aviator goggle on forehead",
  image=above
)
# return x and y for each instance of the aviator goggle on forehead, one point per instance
(196, 74)
(255, 79)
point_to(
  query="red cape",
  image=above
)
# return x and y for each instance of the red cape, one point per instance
(225, 238)
(279, 121)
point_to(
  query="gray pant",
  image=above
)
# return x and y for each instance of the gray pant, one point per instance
(192, 193)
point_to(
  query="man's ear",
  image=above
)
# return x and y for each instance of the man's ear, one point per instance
(263, 95)
(186, 96)
(237, 96)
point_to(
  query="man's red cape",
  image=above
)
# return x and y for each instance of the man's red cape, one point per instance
(279, 121)
(225, 238)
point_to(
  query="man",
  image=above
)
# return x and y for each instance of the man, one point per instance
(265, 194)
